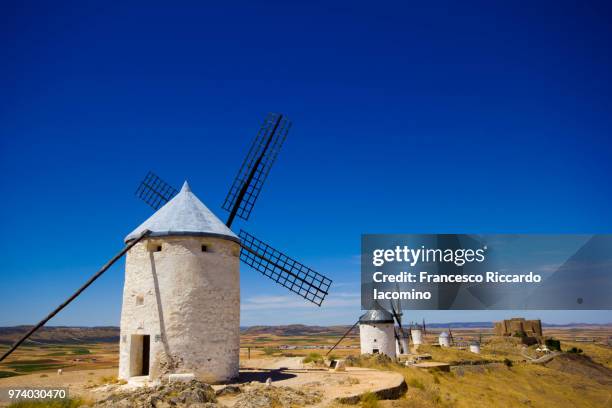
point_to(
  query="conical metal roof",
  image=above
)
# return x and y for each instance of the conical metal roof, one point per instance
(185, 214)
(376, 316)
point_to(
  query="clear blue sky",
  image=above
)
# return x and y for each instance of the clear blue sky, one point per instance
(465, 117)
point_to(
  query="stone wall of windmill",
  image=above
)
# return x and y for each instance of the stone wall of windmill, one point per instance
(187, 301)
(377, 339)
(377, 333)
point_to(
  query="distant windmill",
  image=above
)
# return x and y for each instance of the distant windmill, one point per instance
(181, 296)
(378, 333)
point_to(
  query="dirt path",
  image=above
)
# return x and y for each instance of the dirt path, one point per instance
(291, 372)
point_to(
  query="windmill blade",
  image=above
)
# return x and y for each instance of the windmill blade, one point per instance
(256, 166)
(155, 191)
(282, 269)
(398, 312)
(399, 338)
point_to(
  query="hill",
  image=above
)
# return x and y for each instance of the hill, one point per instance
(61, 335)
(104, 334)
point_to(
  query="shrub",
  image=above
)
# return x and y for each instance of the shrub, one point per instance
(575, 350)
(508, 362)
(553, 344)
(369, 400)
(268, 351)
(112, 379)
(313, 358)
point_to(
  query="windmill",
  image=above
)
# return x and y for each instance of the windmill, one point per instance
(172, 227)
(378, 333)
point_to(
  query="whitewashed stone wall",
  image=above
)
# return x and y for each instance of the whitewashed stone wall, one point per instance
(377, 336)
(188, 301)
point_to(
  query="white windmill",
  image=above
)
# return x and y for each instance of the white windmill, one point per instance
(181, 300)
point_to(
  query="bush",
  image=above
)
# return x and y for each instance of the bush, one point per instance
(268, 351)
(313, 358)
(508, 362)
(369, 400)
(553, 344)
(575, 350)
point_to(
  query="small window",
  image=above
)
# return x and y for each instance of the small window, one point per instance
(154, 247)
(204, 248)
(374, 340)
(375, 351)
(139, 300)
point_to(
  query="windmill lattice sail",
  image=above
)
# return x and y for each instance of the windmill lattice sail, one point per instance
(254, 170)
(155, 191)
(284, 270)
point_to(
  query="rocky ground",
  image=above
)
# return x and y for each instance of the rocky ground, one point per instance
(196, 394)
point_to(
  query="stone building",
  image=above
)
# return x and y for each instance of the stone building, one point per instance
(181, 297)
(531, 328)
(377, 333)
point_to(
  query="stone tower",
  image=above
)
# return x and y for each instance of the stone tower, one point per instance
(377, 333)
(181, 297)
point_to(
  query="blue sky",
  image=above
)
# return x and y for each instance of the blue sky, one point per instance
(466, 117)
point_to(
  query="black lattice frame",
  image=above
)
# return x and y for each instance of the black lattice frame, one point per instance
(154, 191)
(266, 146)
(284, 270)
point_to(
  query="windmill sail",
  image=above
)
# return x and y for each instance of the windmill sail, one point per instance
(399, 332)
(254, 170)
(282, 269)
(155, 191)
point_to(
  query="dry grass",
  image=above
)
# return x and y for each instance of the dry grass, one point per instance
(599, 353)
(496, 385)
(112, 379)
(63, 403)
